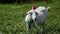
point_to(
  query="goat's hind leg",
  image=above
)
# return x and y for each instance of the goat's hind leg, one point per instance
(42, 29)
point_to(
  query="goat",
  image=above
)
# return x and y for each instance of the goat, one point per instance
(36, 17)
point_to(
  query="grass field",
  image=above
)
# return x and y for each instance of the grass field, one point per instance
(12, 16)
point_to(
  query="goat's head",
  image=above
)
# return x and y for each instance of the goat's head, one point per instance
(33, 14)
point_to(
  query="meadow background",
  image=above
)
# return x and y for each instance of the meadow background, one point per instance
(12, 17)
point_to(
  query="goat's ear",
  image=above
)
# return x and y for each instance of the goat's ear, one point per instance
(47, 8)
(27, 13)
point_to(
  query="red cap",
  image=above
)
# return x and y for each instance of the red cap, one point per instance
(33, 7)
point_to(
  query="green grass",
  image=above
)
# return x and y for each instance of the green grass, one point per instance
(12, 16)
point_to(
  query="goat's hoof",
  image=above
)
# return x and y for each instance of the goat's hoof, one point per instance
(42, 33)
(36, 33)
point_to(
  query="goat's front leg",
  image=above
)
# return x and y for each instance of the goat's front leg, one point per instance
(28, 28)
(42, 29)
(36, 26)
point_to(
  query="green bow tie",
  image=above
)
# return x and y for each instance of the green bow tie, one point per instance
(31, 21)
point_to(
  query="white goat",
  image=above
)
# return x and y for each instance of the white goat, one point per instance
(36, 17)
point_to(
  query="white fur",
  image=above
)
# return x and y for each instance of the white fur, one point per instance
(40, 17)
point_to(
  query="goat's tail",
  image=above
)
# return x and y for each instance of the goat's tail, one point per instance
(47, 8)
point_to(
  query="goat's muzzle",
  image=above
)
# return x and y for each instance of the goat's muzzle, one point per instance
(35, 19)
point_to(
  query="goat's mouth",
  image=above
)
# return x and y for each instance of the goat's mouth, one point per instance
(35, 19)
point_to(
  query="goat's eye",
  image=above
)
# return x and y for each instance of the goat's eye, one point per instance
(30, 13)
(36, 13)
